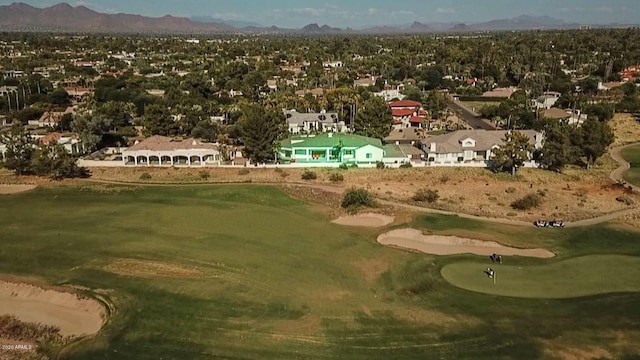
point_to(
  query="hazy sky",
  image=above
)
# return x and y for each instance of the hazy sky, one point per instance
(358, 13)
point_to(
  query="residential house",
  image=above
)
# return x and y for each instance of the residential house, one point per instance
(407, 113)
(70, 142)
(314, 92)
(504, 93)
(78, 93)
(165, 151)
(472, 148)
(391, 92)
(546, 100)
(572, 117)
(403, 136)
(609, 85)
(365, 81)
(51, 119)
(310, 122)
(332, 64)
(6, 90)
(402, 153)
(631, 73)
(331, 149)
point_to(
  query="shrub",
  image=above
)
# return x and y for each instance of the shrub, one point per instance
(145, 176)
(528, 202)
(427, 195)
(380, 165)
(624, 199)
(336, 177)
(510, 190)
(511, 214)
(278, 170)
(444, 179)
(542, 193)
(309, 175)
(355, 198)
(405, 165)
(343, 167)
(204, 175)
(243, 171)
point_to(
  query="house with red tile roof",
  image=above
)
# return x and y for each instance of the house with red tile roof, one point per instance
(407, 113)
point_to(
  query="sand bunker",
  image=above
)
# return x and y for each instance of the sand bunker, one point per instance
(448, 245)
(15, 189)
(365, 220)
(74, 316)
(150, 269)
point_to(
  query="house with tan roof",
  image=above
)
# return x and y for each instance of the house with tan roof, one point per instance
(473, 148)
(572, 117)
(165, 151)
(51, 119)
(504, 93)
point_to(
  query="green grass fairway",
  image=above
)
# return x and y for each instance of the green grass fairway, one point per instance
(632, 155)
(582, 276)
(247, 272)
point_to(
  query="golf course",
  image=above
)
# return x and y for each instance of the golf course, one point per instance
(250, 272)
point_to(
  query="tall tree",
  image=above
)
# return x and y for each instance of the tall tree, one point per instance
(558, 149)
(374, 118)
(513, 152)
(53, 160)
(261, 131)
(595, 137)
(158, 121)
(20, 149)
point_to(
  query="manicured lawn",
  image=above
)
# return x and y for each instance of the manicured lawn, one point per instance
(278, 281)
(581, 276)
(632, 155)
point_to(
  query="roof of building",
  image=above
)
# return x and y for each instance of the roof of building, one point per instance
(416, 120)
(401, 151)
(163, 143)
(402, 134)
(405, 103)
(556, 113)
(484, 139)
(328, 140)
(402, 112)
(501, 92)
(294, 117)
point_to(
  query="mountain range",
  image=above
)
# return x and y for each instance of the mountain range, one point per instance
(66, 18)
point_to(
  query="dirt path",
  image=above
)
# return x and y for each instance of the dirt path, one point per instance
(618, 174)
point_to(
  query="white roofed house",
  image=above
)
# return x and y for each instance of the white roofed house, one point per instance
(310, 122)
(473, 148)
(165, 151)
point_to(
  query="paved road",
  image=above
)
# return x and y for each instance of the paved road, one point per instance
(470, 117)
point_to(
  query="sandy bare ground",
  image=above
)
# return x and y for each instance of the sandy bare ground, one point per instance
(15, 189)
(74, 316)
(365, 220)
(414, 239)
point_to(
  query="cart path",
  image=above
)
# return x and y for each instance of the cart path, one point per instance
(618, 174)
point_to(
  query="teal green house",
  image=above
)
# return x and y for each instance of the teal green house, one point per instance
(331, 149)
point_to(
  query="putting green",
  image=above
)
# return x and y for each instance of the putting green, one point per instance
(581, 276)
